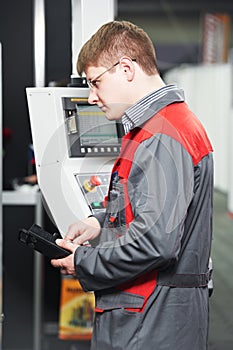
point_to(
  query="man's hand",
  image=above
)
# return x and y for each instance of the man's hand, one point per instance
(66, 264)
(83, 231)
(78, 234)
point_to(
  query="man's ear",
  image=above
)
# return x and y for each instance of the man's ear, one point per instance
(127, 65)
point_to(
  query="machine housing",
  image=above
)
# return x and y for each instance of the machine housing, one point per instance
(75, 148)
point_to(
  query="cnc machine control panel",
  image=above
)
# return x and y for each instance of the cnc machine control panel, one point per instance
(75, 156)
(95, 189)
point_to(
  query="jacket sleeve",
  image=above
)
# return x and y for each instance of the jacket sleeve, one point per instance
(160, 188)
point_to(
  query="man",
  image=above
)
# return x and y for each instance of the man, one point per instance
(149, 271)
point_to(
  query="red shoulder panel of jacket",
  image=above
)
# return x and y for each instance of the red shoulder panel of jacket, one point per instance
(178, 122)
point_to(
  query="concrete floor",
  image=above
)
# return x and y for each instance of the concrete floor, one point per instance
(221, 302)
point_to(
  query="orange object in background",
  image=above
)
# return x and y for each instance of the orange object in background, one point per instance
(216, 38)
(76, 310)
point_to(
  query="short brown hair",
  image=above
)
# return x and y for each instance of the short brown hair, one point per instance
(114, 40)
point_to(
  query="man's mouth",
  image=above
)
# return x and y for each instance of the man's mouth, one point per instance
(103, 108)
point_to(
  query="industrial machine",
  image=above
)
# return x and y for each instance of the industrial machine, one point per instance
(75, 147)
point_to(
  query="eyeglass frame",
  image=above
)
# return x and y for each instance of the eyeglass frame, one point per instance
(92, 83)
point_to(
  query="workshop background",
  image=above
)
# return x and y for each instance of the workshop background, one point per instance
(176, 28)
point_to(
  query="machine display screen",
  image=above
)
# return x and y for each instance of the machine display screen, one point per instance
(89, 132)
(94, 128)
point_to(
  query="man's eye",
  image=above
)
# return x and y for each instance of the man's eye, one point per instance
(94, 83)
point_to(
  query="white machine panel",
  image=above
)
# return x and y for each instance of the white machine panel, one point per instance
(75, 147)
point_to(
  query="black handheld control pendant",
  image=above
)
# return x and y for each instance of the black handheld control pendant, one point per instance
(43, 242)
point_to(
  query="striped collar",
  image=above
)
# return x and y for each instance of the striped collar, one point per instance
(145, 108)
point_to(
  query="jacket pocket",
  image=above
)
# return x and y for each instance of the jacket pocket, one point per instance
(118, 300)
(115, 327)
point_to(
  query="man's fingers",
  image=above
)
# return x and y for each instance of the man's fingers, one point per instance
(66, 244)
(82, 238)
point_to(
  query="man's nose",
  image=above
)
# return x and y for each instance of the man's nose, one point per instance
(93, 98)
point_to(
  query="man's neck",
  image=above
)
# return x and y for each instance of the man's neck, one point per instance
(146, 85)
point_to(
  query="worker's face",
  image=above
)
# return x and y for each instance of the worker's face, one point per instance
(109, 89)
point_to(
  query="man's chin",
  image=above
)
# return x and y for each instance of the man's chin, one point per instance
(115, 111)
(110, 115)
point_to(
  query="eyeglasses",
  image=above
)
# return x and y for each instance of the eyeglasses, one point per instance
(93, 83)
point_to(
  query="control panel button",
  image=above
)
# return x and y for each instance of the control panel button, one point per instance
(96, 205)
(90, 184)
(95, 180)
